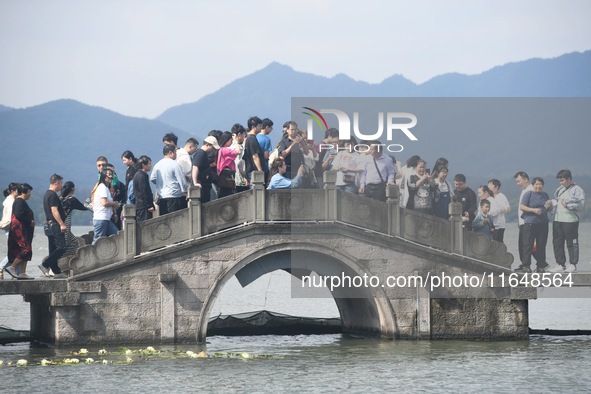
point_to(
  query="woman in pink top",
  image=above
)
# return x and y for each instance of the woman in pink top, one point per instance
(226, 167)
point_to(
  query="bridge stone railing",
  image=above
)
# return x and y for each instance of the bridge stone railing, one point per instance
(288, 205)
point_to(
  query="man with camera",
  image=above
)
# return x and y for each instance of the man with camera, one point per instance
(292, 149)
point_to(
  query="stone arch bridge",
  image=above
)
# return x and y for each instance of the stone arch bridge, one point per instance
(156, 281)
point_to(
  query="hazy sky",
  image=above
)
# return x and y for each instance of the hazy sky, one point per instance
(141, 57)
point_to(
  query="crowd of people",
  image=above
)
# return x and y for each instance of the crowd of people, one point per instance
(19, 223)
(224, 163)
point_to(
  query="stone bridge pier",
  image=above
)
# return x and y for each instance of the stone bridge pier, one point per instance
(157, 281)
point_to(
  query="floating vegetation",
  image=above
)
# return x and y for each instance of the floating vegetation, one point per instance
(127, 356)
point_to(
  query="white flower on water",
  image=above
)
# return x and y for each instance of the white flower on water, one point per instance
(67, 361)
(45, 362)
(102, 352)
(83, 351)
(75, 361)
(1, 363)
(245, 355)
(202, 354)
(105, 362)
(150, 349)
(129, 359)
(191, 354)
(89, 360)
(128, 352)
(21, 363)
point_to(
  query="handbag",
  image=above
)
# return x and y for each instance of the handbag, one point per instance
(51, 228)
(226, 179)
(377, 186)
(375, 189)
(349, 178)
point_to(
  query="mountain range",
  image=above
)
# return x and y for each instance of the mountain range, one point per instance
(66, 136)
(268, 92)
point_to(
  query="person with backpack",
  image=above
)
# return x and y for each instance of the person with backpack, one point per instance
(203, 174)
(142, 193)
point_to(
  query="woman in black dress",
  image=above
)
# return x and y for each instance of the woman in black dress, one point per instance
(22, 227)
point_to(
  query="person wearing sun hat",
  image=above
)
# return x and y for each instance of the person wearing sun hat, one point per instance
(203, 174)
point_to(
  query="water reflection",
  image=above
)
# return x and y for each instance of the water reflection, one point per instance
(318, 362)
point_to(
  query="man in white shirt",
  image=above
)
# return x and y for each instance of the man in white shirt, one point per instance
(379, 171)
(348, 164)
(168, 176)
(499, 221)
(183, 157)
(238, 137)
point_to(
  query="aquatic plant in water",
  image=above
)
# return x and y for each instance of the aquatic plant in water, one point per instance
(124, 356)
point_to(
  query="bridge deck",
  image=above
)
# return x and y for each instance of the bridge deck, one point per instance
(47, 286)
(35, 286)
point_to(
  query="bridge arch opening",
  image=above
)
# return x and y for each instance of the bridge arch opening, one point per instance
(270, 292)
(362, 310)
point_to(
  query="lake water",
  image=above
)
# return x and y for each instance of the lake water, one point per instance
(319, 363)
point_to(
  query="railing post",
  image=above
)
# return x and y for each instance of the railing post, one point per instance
(258, 192)
(392, 202)
(194, 194)
(129, 232)
(457, 228)
(330, 195)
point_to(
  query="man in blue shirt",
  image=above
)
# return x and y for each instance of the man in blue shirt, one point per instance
(170, 182)
(265, 143)
(379, 171)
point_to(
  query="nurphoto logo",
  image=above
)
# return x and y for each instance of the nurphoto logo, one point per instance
(395, 122)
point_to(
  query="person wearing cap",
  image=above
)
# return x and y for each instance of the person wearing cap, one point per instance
(168, 176)
(203, 173)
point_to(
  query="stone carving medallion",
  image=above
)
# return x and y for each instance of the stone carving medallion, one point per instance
(363, 211)
(425, 229)
(296, 204)
(480, 244)
(106, 248)
(162, 231)
(227, 212)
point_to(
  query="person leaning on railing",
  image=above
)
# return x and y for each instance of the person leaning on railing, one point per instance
(277, 179)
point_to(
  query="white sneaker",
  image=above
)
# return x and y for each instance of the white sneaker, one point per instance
(556, 268)
(45, 270)
(570, 268)
(11, 271)
(25, 276)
